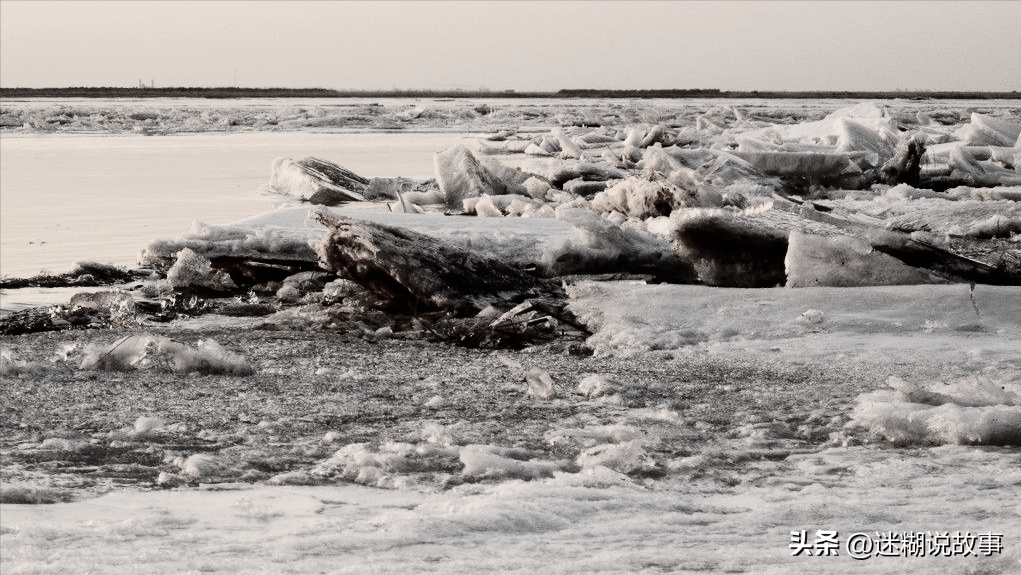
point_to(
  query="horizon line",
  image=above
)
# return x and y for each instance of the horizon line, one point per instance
(233, 91)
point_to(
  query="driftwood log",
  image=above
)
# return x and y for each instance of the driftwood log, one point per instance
(410, 272)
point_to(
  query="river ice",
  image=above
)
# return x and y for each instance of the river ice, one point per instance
(717, 501)
(886, 444)
(594, 521)
(939, 373)
(107, 195)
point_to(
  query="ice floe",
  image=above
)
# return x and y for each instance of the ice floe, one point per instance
(975, 411)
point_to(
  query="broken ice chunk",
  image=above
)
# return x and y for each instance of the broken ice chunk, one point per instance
(843, 261)
(194, 271)
(122, 355)
(208, 357)
(460, 175)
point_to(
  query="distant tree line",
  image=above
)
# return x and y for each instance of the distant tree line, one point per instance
(226, 93)
(670, 93)
(815, 94)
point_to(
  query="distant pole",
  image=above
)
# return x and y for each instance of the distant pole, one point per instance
(235, 78)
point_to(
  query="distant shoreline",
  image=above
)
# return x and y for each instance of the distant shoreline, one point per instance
(231, 93)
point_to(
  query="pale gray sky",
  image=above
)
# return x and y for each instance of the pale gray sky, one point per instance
(519, 45)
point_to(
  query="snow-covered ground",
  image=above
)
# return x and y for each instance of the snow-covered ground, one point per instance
(872, 425)
(766, 430)
(953, 502)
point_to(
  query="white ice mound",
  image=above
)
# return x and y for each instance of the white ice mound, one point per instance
(975, 411)
(192, 270)
(629, 457)
(488, 461)
(130, 352)
(207, 357)
(865, 126)
(619, 447)
(460, 175)
(382, 466)
(642, 198)
(986, 130)
(125, 354)
(318, 181)
(202, 465)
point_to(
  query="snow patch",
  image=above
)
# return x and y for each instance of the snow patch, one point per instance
(974, 411)
(208, 357)
(129, 353)
(488, 462)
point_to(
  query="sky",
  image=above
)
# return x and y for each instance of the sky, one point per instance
(514, 45)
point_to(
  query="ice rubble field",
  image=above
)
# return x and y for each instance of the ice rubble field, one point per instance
(929, 446)
(632, 192)
(169, 116)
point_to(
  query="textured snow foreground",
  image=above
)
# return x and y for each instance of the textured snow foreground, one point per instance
(709, 425)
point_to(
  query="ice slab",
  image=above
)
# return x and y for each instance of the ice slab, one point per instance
(628, 318)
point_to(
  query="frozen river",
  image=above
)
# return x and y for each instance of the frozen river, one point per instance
(818, 430)
(79, 182)
(67, 198)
